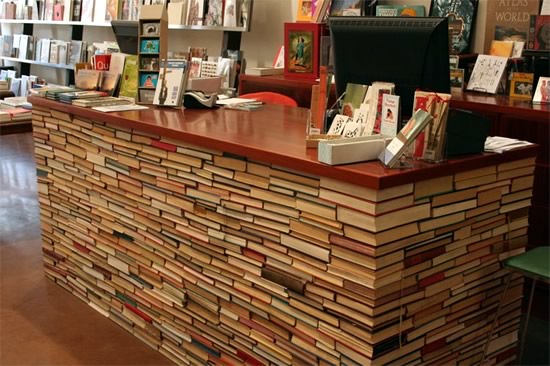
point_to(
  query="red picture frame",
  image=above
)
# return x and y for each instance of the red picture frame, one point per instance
(302, 50)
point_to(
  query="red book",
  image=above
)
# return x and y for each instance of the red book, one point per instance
(58, 10)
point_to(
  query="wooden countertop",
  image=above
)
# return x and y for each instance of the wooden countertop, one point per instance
(275, 134)
(501, 104)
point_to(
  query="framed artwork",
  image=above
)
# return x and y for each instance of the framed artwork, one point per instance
(149, 46)
(306, 8)
(302, 49)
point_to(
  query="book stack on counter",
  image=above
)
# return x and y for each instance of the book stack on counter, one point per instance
(15, 115)
(55, 93)
(69, 97)
(100, 102)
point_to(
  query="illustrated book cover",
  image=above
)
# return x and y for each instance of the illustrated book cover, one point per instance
(521, 85)
(539, 32)
(129, 78)
(542, 94)
(230, 13)
(214, 16)
(355, 94)
(457, 79)
(346, 7)
(195, 12)
(508, 20)
(487, 73)
(171, 85)
(87, 79)
(109, 82)
(501, 48)
(461, 15)
(400, 11)
(390, 115)
(405, 137)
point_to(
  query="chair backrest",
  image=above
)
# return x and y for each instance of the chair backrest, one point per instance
(271, 98)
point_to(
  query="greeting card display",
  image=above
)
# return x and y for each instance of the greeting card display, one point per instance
(302, 49)
(152, 48)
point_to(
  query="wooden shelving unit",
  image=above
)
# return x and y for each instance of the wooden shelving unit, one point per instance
(153, 34)
(33, 62)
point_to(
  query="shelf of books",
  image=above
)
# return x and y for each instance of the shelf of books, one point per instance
(32, 62)
(55, 22)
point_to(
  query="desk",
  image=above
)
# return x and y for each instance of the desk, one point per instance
(216, 236)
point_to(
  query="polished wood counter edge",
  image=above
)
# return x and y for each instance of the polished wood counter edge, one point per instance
(502, 104)
(276, 135)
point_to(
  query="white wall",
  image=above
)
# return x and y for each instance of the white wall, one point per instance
(259, 45)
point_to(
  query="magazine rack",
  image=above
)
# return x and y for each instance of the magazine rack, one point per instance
(152, 48)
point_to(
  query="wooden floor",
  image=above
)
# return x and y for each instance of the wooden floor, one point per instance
(40, 323)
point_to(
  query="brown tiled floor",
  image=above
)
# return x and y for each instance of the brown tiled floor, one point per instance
(41, 323)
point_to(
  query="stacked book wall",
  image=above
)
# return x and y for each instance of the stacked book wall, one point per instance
(212, 258)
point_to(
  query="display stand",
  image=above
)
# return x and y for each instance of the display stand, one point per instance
(152, 48)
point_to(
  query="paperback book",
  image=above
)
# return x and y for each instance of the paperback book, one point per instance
(405, 137)
(487, 73)
(171, 85)
(542, 94)
(400, 11)
(88, 79)
(129, 78)
(214, 16)
(109, 82)
(539, 32)
(521, 85)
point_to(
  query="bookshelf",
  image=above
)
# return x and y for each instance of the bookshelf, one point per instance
(32, 62)
(231, 36)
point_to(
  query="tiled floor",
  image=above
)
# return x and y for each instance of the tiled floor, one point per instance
(42, 324)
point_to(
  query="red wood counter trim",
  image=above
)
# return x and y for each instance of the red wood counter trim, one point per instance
(276, 135)
(501, 104)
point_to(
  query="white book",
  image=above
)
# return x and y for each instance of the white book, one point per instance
(117, 62)
(62, 49)
(195, 12)
(38, 50)
(171, 82)
(487, 73)
(87, 14)
(15, 86)
(177, 12)
(54, 53)
(23, 46)
(390, 115)
(542, 93)
(24, 85)
(230, 13)
(100, 8)
(68, 10)
(75, 54)
(45, 51)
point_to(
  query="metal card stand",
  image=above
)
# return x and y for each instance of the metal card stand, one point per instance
(400, 163)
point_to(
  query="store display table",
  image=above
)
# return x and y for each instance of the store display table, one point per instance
(216, 236)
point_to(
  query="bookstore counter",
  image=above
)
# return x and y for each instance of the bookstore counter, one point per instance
(217, 237)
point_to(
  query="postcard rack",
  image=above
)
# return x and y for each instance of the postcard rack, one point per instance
(152, 48)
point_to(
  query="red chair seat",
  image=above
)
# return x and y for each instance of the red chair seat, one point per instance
(271, 98)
